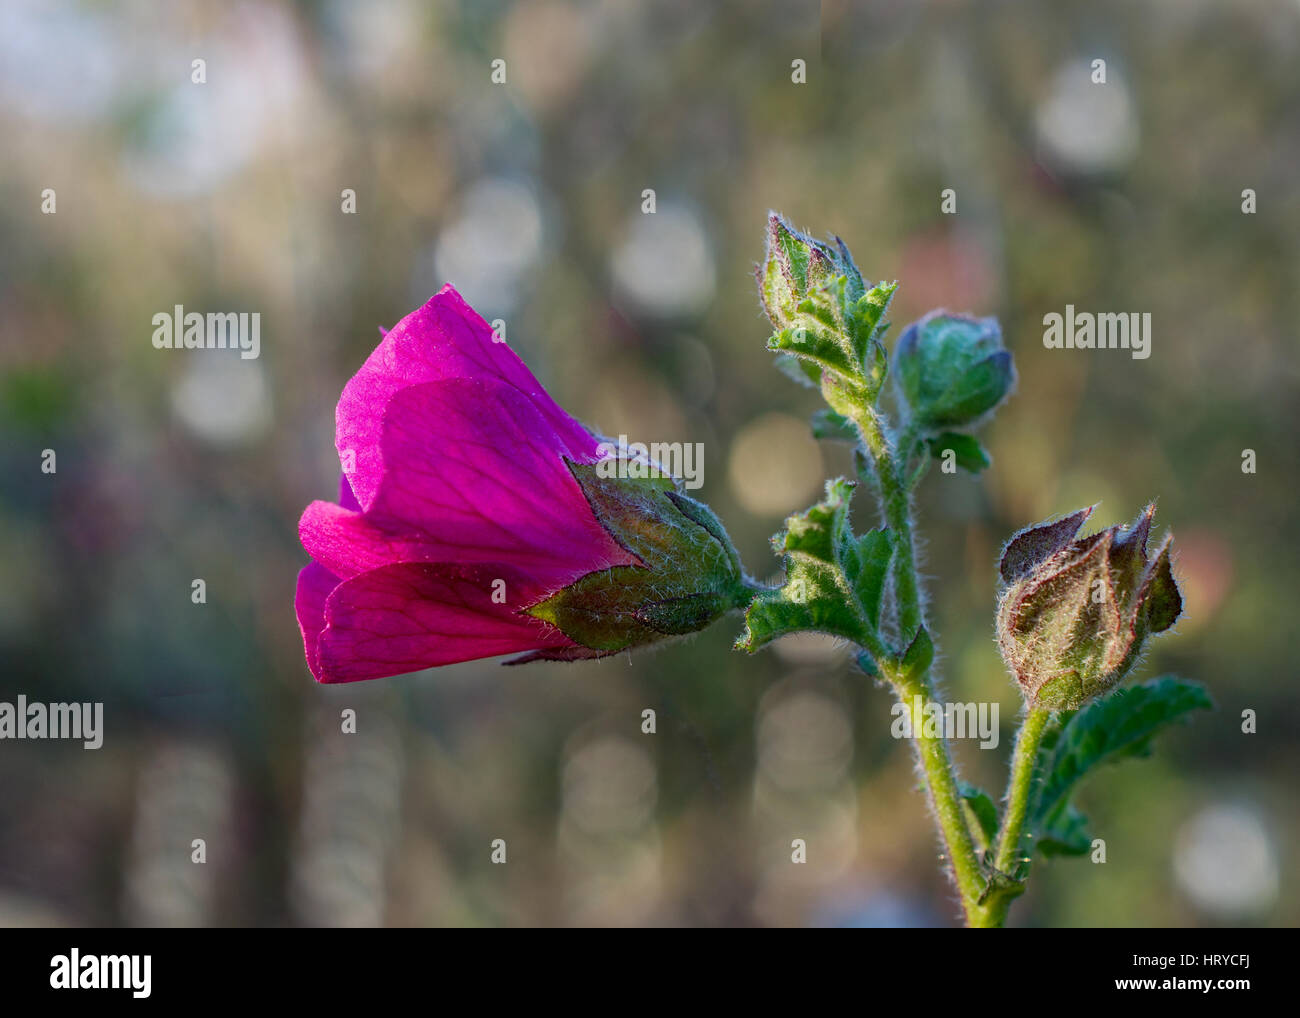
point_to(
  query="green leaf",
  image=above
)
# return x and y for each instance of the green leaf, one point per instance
(1114, 728)
(1067, 834)
(919, 655)
(797, 251)
(967, 451)
(810, 599)
(816, 344)
(834, 427)
(982, 810)
(833, 580)
(824, 305)
(822, 529)
(866, 327)
(866, 315)
(866, 566)
(1117, 727)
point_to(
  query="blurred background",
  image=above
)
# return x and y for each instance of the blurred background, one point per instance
(528, 196)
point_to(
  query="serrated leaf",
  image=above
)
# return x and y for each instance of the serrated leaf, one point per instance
(982, 810)
(822, 529)
(811, 598)
(827, 424)
(1114, 728)
(967, 451)
(833, 579)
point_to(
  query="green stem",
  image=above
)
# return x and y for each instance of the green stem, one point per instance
(917, 690)
(945, 797)
(1020, 789)
(898, 517)
(992, 912)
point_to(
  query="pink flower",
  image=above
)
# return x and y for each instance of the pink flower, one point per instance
(462, 528)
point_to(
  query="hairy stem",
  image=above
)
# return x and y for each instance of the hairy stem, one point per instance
(1020, 789)
(945, 797)
(1006, 888)
(898, 517)
(917, 691)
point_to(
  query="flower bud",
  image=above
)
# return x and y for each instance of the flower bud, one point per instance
(828, 324)
(952, 370)
(796, 266)
(1076, 611)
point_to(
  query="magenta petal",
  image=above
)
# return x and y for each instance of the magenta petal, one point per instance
(315, 584)
(493, 487)
(490, 488)
(346, 499)
(444, 339)
(347, 543)
(410, 616)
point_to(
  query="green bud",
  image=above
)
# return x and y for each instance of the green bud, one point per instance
(1076, 611)
(828, 322)
(795, 266)
(690, 573)
(952, 370)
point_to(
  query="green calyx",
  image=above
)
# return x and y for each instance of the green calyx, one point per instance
(689, 576)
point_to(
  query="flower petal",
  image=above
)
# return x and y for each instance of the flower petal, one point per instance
(347, 543)
(444, 339)
(346, 499)
(315, 584)
(406, 617)
(471, 474)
